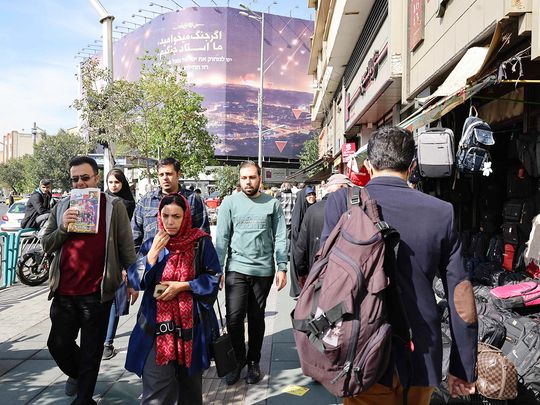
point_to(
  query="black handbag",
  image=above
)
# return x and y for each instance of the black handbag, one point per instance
(222, 350)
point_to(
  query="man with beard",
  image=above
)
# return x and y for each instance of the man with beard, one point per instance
(144, 223)
(251, 232)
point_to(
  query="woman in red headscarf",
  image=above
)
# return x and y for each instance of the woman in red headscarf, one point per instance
(169, 346)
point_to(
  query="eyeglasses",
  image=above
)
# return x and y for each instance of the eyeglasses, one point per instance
(84, 177)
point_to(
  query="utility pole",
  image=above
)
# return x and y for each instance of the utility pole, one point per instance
(106, 19)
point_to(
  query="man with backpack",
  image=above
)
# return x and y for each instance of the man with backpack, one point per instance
(429, 244)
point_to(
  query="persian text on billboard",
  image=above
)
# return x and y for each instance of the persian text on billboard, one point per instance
(220, 51)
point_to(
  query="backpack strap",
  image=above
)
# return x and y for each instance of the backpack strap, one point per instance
(353, 196)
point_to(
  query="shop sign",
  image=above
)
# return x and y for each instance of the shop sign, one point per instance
(347, 150)
(416, 23)
(369, 76)
(372, 69)
(274, 175)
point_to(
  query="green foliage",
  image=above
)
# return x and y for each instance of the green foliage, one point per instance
(51, 157)
(13, 174)
(157, 116)
(227, 177)
(310, 151)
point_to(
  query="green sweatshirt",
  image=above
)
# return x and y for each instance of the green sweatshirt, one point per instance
(249, 232)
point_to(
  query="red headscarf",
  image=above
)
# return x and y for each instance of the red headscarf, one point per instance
(179, 267)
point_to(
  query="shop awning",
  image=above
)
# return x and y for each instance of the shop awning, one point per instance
(302, 175)
(468, 77)
(433, 112)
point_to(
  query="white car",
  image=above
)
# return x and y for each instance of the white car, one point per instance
(11, 220)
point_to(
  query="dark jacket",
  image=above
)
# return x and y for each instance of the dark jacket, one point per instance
(308, 240)
(429, 244)
(141, 339)
(119, 250)
(300, 207)
(37, 204)
(129, 203)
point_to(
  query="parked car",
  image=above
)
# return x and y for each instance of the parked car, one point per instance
(213, 200)
(11, 220)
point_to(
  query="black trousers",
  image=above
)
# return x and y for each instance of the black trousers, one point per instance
(246, 295)
(69, 315)
(169, 384)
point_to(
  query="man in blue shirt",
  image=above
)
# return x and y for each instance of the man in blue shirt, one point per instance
(144, 222)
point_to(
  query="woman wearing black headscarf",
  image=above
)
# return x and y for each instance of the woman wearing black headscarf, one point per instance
(118, 186)
(301, 205)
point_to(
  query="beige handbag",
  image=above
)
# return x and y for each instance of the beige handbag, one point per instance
(497, 377)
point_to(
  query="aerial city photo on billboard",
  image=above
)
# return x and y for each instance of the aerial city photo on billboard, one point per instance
(220, 51)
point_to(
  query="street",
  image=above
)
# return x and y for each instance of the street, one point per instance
(28, 374)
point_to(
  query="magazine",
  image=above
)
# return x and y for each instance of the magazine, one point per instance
(86, 200)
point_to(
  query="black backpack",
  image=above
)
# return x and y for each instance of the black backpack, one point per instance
(491, 331)
(472, 154)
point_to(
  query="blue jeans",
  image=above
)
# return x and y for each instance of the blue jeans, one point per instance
(113, 325)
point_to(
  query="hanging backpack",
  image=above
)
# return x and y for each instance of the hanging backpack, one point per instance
(435, 151)
(472, 155)
(341, 325)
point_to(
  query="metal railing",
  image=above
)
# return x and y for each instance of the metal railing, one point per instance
(12, 246)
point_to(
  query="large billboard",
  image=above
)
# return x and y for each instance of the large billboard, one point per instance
(220, 50)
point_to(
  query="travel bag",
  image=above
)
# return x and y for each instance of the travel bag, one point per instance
(518, 183)
(435, 151)
(525, 294)
(509, 252)
(497, 376)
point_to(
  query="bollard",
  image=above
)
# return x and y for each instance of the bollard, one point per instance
(4, 243)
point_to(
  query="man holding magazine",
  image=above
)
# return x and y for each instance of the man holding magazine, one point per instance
(85, 273)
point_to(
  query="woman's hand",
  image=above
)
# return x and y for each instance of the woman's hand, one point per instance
(160, 241)
(173, 289)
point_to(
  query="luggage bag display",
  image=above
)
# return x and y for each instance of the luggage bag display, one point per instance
(520, 295)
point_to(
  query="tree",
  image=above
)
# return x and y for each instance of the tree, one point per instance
(52, 155)
(156, 116)
(227, 178)
(13, 174)
(310, 151)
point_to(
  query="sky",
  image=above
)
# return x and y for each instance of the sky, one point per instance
(39, 42)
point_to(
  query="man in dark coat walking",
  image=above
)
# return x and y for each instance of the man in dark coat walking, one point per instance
(308, 240)
(429, 244)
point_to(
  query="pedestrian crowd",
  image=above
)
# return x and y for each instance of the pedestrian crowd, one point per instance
(161, 246)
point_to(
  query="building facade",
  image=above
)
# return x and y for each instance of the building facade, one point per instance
(17, 144)
(382, 62)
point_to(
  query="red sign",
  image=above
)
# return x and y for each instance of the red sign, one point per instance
(416, 23)
(281, 145)
(347, 150)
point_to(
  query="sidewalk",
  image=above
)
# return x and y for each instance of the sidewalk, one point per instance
(28, 375)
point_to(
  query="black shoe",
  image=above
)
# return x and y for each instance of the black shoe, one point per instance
(254, 373)
(233, 377)
(108, 352)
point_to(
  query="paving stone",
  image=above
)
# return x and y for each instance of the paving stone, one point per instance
(284, 352)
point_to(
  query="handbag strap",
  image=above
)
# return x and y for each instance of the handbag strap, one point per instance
(220, 316)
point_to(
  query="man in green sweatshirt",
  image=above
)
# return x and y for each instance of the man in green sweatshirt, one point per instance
(251, 233)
